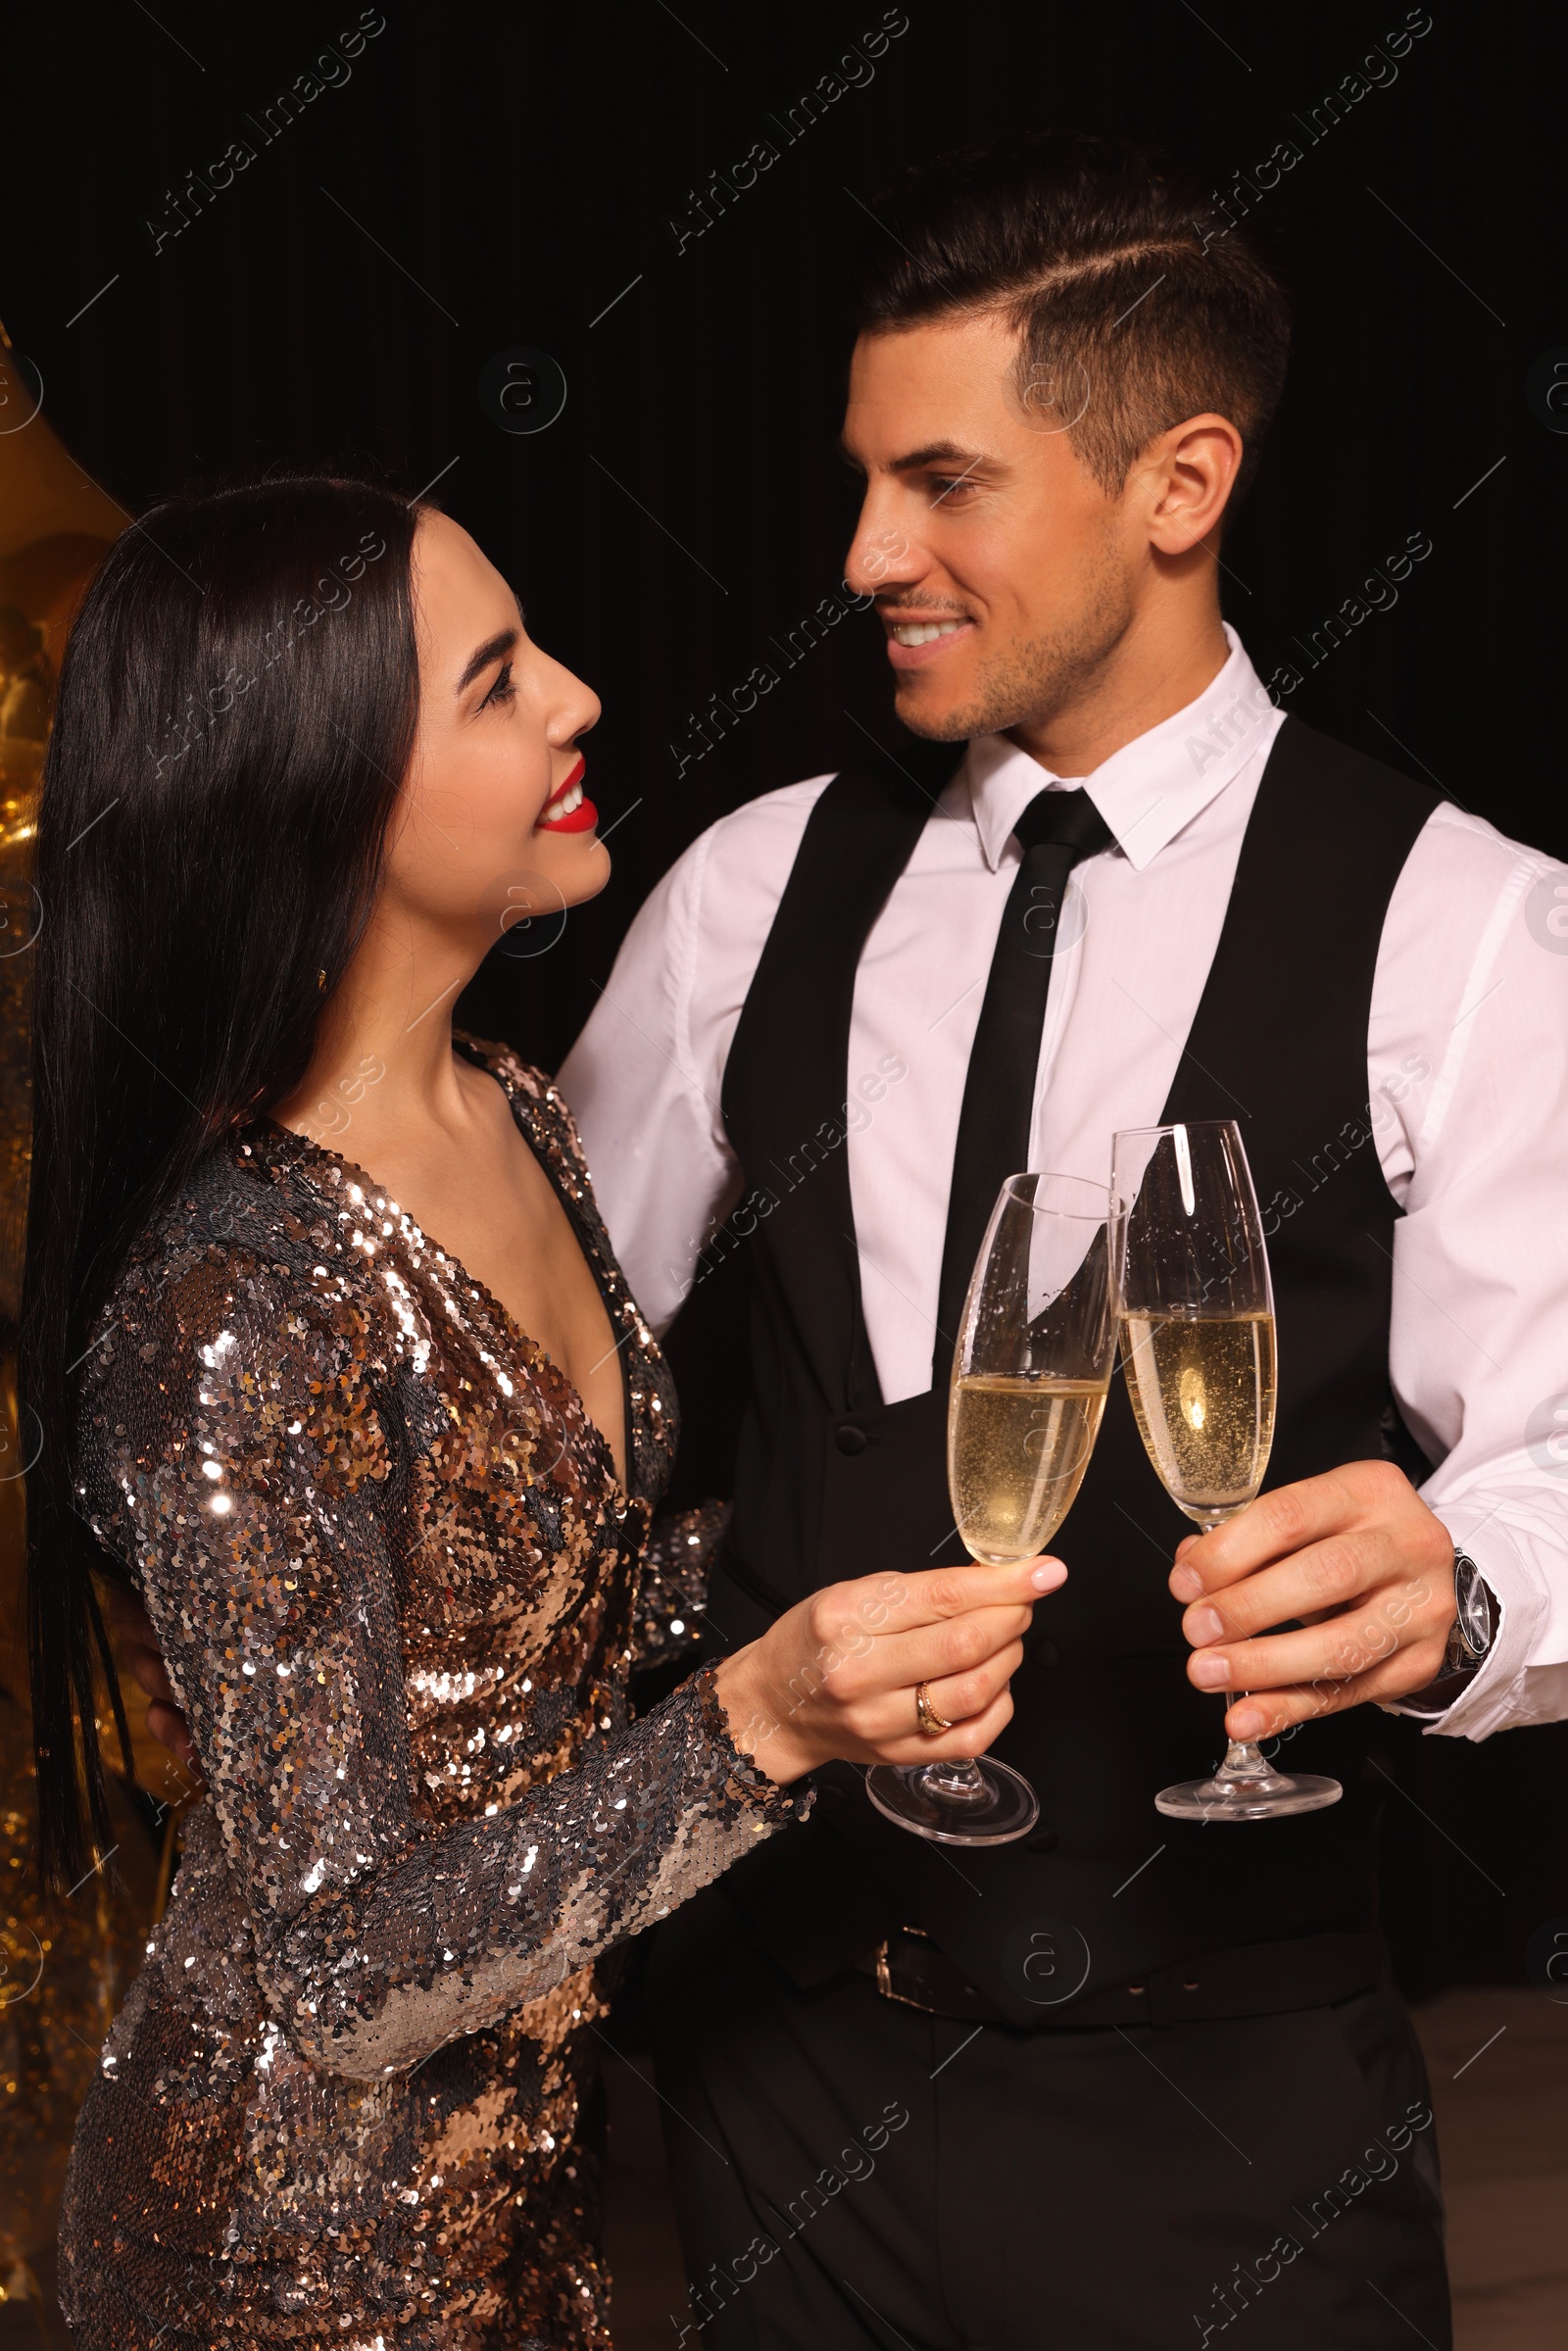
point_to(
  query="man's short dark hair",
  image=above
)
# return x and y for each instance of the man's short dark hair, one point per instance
(1136, 301)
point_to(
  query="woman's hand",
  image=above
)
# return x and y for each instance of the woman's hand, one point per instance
(836, 1677)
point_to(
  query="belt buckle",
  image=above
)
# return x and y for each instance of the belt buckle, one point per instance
(906, 1994)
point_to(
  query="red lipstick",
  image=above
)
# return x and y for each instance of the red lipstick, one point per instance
(580, 814)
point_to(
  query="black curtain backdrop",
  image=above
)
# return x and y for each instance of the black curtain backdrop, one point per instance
(238, 238)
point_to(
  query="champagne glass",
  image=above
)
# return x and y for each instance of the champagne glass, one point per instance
(1030, 1372)
(1197, 1314)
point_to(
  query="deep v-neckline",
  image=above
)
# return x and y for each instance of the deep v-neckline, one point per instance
(522, 1339)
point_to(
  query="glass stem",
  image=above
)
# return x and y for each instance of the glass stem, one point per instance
(1244, 1760)
(955, 1781)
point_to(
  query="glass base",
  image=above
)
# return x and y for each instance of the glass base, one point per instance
(960, 1803)
(1247, 1788)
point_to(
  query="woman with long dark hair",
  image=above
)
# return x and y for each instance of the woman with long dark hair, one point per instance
(385, 1497)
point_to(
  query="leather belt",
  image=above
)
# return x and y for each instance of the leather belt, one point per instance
(1249, 1979)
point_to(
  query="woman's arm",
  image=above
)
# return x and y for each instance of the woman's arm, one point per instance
(234, 1448)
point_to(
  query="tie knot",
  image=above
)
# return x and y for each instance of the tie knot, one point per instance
(1066, 821)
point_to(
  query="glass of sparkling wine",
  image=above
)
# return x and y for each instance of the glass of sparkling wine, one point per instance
(1030, 1372)
(1197, 1312)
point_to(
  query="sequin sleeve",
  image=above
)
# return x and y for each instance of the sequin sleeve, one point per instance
(248, 1469)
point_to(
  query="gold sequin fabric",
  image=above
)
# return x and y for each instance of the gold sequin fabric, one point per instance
(349, 2099)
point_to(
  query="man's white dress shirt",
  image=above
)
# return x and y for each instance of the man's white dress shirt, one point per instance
(1467, 1079)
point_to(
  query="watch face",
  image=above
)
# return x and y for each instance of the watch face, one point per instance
(1473, 1607)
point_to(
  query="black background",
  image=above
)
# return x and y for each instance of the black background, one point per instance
(489, 178)
(517, 167)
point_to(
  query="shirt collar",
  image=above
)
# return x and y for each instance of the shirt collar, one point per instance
(1151, 788)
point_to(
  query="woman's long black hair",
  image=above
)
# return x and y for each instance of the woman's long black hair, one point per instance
(236, 710)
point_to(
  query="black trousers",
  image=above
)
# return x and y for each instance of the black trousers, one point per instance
(854, 2173)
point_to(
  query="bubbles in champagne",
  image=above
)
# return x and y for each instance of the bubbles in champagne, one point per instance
(1203, 1393)
(1017, 1449)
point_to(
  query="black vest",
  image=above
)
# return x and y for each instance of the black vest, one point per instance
(831, 1483)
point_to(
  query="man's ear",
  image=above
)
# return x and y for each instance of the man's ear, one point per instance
(1185, 480)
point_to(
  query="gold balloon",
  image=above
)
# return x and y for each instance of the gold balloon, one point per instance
(55, 525)
(64, 1968)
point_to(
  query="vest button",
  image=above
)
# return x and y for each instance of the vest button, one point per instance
(851, 1439)
(1044, 1652)
(829, 1799)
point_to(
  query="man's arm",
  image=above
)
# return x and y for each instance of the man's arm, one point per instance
(1469, 1086)
(645, 1097)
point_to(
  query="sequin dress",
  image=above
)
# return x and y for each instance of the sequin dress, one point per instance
(396, 1585)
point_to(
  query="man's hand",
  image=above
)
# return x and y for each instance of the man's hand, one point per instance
(136, 1645)
(1358, 1558)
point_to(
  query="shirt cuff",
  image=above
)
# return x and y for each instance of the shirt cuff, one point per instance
(1495, 1698)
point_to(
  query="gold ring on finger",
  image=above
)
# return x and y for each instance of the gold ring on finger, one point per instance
(930, 1722)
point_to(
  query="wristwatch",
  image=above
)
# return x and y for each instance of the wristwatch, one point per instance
(1475, 1621)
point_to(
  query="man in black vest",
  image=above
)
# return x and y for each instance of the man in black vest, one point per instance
(1117, 2084)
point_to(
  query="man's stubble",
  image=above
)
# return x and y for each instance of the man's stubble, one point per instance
(1033, 684)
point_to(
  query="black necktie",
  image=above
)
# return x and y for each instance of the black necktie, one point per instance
(1054, 831)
